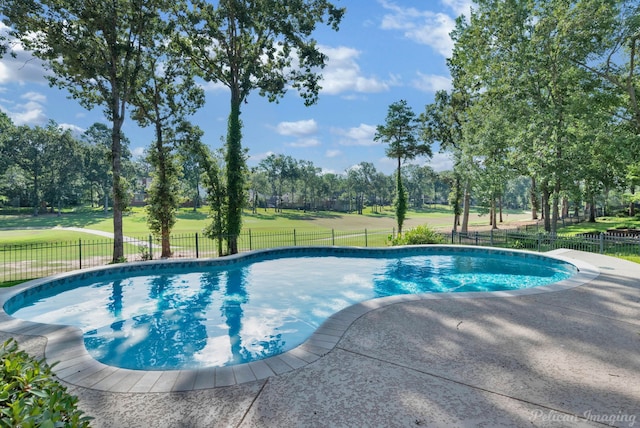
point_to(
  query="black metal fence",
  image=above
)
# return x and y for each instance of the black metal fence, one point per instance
(616, 244)
(27, 261)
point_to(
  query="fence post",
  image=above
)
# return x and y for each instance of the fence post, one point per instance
(477, 238)
(294, 238)
(80, 251)
(250, 241)
(366, 240)
(333, 238)
(150, 248)
(490, 236)
(539, 241)
(452, 236)
(197, 249)
(601, 242)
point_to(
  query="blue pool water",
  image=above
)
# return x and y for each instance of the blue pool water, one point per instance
(217, 315)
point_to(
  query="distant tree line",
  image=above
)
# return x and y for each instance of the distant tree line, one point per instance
(49, 168)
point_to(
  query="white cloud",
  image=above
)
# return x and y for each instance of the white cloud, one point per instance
(24, 68)
(214, 87)
(459, 7)
(431, 82)
(387, 164)
(30, 112)
(34, 97)
(138, 152)
(76, 131)
(256, 158)
(343, 74)
(358, 136)
(305, 142)
(331, 171)
(441, 162)
(300, 128)
(422, 26)
(332, 153)
(32, 115)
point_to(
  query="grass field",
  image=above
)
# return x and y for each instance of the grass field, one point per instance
(26, 228)
(603, 224)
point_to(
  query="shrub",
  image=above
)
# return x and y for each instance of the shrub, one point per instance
(419, 235)
(30, 396)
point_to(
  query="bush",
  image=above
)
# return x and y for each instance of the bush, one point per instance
(419, 235)
(30, 397)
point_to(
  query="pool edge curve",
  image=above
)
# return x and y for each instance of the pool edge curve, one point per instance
(65, 345)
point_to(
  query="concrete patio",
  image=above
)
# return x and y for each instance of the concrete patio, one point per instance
(561, 358)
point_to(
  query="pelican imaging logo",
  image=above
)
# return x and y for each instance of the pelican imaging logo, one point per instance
(614, 419)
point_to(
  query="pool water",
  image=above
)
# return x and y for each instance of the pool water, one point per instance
(182, 318)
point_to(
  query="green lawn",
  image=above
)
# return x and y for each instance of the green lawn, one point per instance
(188, 221)
(602, 225)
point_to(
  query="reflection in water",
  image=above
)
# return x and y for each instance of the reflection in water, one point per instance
(453, 273)
(115, 302)
(179, 333)
(235, 296)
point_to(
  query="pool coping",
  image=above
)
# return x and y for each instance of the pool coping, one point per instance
(74, 365)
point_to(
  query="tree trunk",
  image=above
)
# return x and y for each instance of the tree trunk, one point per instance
(493, 213)
(500, 208)
(165, 210)
(456, 203)
(534, 199)
(545, 207)
(555, 208)
(106, 199)
(36, 199)
(401, 203)
(592, 210)
(466, 202)
(235, 173)
(632, 204)
(118, 188)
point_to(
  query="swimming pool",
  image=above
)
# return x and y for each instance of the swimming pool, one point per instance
(212, 313)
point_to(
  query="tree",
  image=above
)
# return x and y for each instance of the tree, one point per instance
(442, 122)
(252, 45)
(419, 182)
(63, 167)
(97, 167)
(308, 173)
(49, 157)
(168, 94)
(6, 127)
(95, 51)
(29, 153)
(191, 176)
(401, 132)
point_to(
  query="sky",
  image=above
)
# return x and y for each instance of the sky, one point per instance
(385, 51)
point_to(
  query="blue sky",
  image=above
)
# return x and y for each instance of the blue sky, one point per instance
(385, 51)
